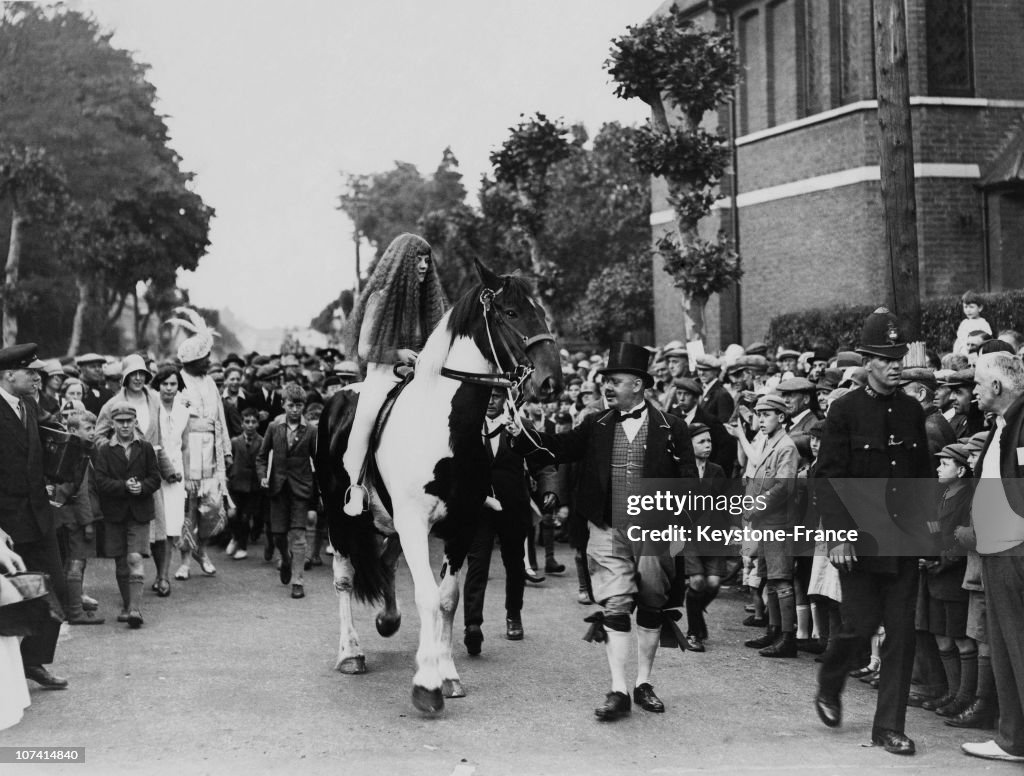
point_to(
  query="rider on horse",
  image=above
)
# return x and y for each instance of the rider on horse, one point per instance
(395, 313)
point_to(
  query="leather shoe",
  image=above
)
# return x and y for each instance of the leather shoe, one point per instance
(473, 639)
(552, 566)
(830, 710)
(937, 703)
(981, 714)
(694, 644)
(893, 741)
(298, 591)
(616, 704)
(785, 646)
(534, 577)
(955, 708)
(753, 621)
(644, 697)
(766, 640)
(134, 619)
(514, 630)
(916, 700)
(813, 646)
(45, 679)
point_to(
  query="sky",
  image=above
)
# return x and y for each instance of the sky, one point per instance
(270, 104)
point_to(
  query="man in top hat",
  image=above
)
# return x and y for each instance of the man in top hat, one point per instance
(96, 392)
(876, 432)
(631, 440)
(26, 520)
(714, 396)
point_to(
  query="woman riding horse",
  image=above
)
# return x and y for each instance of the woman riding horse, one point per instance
(399, 307)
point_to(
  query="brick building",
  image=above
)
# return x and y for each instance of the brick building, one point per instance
(804, 198)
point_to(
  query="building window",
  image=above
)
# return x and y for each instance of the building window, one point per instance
(949, 51)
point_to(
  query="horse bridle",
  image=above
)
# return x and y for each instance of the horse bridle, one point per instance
(515, 343)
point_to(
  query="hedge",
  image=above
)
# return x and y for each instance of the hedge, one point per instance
(839, 327)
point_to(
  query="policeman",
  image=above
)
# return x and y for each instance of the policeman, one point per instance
(874, 431)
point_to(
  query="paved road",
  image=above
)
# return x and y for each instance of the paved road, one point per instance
(230, 675)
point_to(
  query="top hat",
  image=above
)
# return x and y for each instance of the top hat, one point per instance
(630, 359)
(881, 336)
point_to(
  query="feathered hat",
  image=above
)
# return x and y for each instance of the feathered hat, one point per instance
(199, 345)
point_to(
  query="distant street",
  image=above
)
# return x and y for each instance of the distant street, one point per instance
(230, 675)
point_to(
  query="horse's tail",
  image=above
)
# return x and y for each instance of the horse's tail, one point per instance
(355, 538)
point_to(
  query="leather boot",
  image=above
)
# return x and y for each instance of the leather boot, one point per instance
(785, 646)
(770, 637)
(981, 714)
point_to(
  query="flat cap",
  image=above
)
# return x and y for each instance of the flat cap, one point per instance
(122, 410)
(955, 452)
(757, 349)
(18, 356)
(688, 384)
(267, 372)
(696, 429)
(977, 442)
(960, 378)
(845, 358)
(786, 353)
(770, 402)
(708, 362)
(755, 363)
(795, 385)
(918, 374)
(90, 358)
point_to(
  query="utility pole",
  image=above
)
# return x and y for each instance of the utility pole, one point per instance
(896, 154)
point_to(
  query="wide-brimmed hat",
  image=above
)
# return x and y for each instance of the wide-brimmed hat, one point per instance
(625, 357)
(132, 364)
(881, 336)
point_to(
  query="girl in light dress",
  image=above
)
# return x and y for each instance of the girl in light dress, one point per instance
(172, 420)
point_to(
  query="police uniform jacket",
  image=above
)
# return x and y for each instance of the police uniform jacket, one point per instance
(669, 454)
(881, 437)
(24, 507)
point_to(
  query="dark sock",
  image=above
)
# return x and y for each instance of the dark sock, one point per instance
(787, 608)
(774, 615)
(968, 675)
(951, 662)
(986, 679)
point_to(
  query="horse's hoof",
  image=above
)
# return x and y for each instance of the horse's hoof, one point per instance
(388, 626)
(353, 665)
(452, 688)
(427, 701)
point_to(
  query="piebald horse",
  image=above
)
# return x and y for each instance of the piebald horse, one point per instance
(430, 472)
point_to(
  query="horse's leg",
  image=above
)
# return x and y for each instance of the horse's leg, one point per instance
(351, 659)
(389, 618)
(426, 683)
(451, 685)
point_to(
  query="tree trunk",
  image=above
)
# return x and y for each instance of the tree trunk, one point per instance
(537, 266)
(10, 317)
(78, 324)
(693, 313)
(896, 151)
(659, 117)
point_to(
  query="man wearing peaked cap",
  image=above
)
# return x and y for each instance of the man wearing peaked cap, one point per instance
(848, 358)
(634, 439)
(96, 392)
(967, 418)
(801, 400)
(715, 398)
(26, 519)
(678, 362)
(757, 349)
(874, 432)
(919, 383)
(686, 405)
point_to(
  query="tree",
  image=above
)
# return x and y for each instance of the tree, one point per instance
(34, 187)
(522, 164)
(617, 301)
(670, 59)
(133, 215)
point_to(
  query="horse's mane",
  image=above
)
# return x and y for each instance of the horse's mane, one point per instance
(461, 321)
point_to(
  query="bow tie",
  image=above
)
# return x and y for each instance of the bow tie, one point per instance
(635, 415)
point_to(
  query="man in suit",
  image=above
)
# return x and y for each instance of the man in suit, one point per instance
(714, 396)
(285, 468)
(801, 398)
(96, 392)
(510, 520)
(633, 439)
(875, 432)
(687, 406)
(26, 519)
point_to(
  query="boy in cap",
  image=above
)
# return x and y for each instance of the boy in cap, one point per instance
(771, 475)
(127, 476)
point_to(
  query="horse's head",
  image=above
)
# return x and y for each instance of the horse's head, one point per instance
(515, 334)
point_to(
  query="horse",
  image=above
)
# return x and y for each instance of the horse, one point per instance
(429, 473)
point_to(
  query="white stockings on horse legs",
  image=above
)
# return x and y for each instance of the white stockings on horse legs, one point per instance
(350, 654)
(451, 686)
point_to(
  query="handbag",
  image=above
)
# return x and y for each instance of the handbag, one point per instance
(36, 609)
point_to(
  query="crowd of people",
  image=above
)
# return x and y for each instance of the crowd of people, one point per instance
(180, 453)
